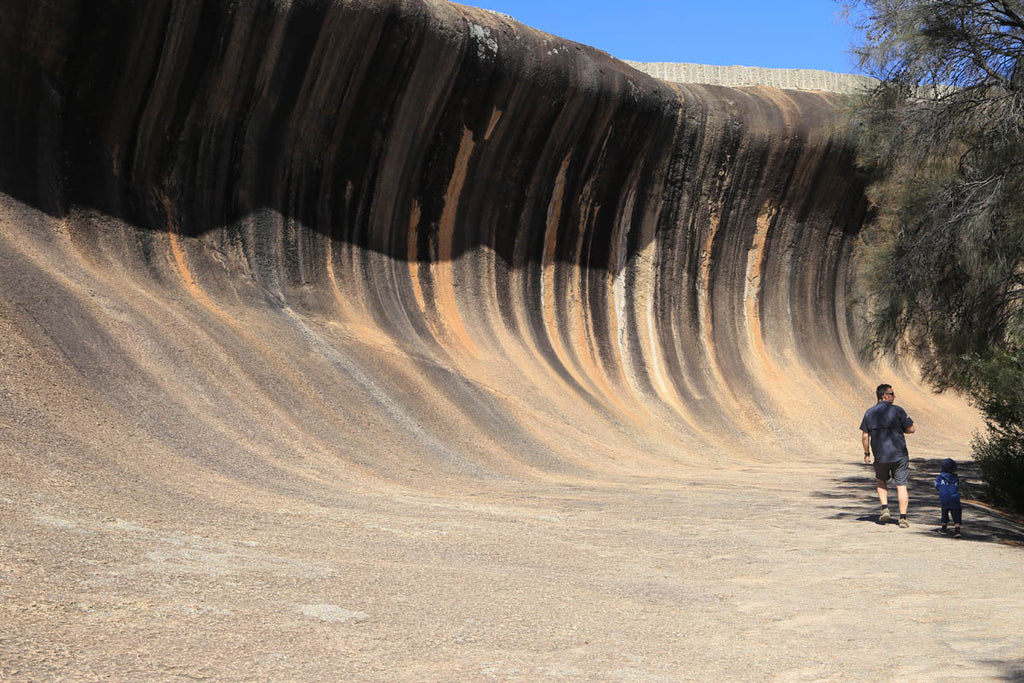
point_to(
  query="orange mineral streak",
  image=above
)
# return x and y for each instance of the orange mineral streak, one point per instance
(705, 312)
(449, 325)
(617, 377)
(752, 294)
(553, 307)
(414, 264)
(495, 118)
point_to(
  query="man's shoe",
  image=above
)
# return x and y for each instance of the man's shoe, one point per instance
(943, 530)
(884, 517)
(956, 533)
(904, 523)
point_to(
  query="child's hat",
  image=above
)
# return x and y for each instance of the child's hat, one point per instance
(949, 465)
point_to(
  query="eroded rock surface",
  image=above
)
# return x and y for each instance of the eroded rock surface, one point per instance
(272, 273)
(390, 232)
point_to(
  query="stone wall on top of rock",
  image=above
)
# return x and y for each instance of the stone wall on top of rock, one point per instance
(746, 76)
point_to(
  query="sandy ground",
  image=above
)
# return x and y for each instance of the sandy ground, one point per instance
(758, 573)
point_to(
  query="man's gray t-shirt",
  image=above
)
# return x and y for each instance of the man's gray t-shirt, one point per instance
(886, 422)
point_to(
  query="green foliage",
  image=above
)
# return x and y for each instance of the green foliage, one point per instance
(943, 137)
(942, 266)
(998, 388)
(1000, 458)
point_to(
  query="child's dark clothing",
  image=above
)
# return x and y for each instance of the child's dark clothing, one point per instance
(948, 484)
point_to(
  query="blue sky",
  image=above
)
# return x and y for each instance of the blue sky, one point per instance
(783, 34)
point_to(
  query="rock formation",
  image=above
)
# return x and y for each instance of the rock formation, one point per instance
(289, 244)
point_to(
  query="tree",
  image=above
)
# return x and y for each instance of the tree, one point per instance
(942, 135)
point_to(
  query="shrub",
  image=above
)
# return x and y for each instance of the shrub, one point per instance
(1000, 457)
(997, 385)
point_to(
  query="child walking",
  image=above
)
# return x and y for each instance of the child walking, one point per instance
(948, 484)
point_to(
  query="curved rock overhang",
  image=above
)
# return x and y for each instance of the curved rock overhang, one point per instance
(292, 243)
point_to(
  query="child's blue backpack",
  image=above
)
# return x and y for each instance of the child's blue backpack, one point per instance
(948, 485)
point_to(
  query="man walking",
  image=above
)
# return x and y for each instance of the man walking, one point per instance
(882, 431)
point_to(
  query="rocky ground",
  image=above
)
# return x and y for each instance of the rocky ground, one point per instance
(761, 572)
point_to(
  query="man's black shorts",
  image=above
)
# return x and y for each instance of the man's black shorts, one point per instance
(898, 471)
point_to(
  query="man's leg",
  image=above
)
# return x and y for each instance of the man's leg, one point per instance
(903, 498)
(883, 492)
(901, 478)
(883, 498)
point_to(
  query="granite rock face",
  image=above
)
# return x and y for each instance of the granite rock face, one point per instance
(292, 243)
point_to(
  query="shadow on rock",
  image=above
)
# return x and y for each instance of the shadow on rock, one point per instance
(853, 498)
(1011, 671)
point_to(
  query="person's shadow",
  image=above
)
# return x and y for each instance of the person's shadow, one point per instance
(853, 498)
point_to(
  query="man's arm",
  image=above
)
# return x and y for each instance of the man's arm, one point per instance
(906, 422)
(865, 440)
